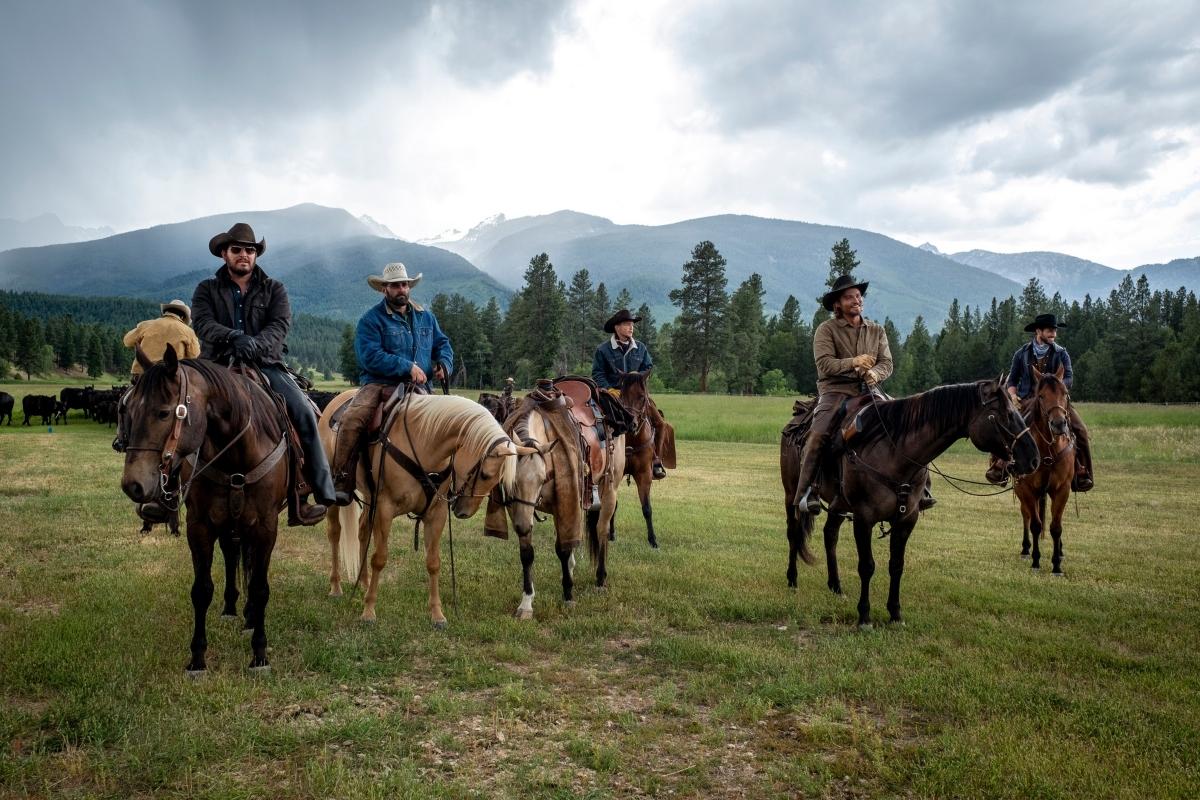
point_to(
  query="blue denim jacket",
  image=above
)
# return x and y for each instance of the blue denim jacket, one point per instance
(1021, 373)
(387, 346)
(610, 359)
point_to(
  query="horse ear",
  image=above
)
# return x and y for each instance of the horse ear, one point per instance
(1037, 375)
(522, 450)
(142, 358)
(646, 374)
(171, 360)
(1062, 370)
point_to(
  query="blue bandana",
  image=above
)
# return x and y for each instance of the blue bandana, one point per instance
(1040, 350)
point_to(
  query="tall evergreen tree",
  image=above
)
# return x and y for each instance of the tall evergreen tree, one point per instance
(918, 349)
(580, 334)
(843, 261)
(347, 358)
(703, 302)
(95, 356)
(602, 310)
(746, 336)
(624, 300)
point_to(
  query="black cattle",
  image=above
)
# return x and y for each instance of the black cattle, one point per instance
(321, 399)
(6, 406)
(105, 411)
(78, 398)
(39, 405)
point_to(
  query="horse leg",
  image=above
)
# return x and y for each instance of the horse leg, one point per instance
(1025, 519)
(899, 541)
(566, 557)
(612, 527)
(866, 568)
(384, 512)
(525, 609)
(259, 592)
(433, 562)
(643, 484)
(833, 524)
(597, 546)
(333, 533)
(793, 534)
(1058, 506)
(229, 550)
(1037, 514)
(201, 545)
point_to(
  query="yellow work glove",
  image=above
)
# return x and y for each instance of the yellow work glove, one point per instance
(871, 377)
(863, 362)
(614, 392)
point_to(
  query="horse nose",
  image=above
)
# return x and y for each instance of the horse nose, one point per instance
(134, 491)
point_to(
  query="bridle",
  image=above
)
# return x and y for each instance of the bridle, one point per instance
(1013, 437)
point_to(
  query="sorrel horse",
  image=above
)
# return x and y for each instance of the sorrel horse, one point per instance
(1049, 420)
(878, 475)
(441, 455)
(185, 412)
(549, 480)
(639, 444)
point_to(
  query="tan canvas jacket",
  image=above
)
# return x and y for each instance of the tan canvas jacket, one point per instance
(836, 342)
(155, 334)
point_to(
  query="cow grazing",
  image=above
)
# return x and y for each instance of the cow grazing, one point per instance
(78, 398)
(321, 399)
(6, 406)
(39, 405)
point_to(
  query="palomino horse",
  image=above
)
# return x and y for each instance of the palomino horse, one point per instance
(441, 454)
(639, 445)
(1049, 420)
(549, 480)
(184, 411)
(883, 468)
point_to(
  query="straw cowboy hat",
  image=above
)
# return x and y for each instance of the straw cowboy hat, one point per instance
(393, 273)
(179, 307)
(240, 233)
(1044, 321)
(843, 283)
(616, 319)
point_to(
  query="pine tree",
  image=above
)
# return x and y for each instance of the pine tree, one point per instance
(30, 342)
(919, 354)
(746, 337)
(95, 356)
(624, 300)
(843, 261)
(347, 358)
(703, 302)
(602, 310)
(581, 336)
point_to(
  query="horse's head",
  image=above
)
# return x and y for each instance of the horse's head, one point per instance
(998, 428)
(498, 466)
(634, 395)
(162, 421)
(1052, 399)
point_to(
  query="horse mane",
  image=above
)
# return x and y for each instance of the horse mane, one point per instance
(438, 418)
(954, 401)
(245, 404)
(632, 379)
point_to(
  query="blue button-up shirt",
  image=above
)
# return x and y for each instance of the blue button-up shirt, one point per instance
(388, 344)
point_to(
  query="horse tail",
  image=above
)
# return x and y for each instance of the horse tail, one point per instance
(800, 527)
(349, 551)
(593, 530)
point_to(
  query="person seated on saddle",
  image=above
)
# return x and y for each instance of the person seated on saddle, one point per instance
(173, 327)
(623, 353)
(1047, 355)
(397, 341)
(242, 317)
(852, 357)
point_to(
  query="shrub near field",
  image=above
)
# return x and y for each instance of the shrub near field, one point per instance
(698, 674)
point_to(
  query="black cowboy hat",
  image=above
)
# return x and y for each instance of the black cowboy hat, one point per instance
(843, 283)
(240, 233)
(1044, 321)
(616, 319)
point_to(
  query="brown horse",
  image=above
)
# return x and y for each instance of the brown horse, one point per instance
(878, 475)
(1049, 420)
(639, 443)
(184, 412)
(549, 480)
(441, 455)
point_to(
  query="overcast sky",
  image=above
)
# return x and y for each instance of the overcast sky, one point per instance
(1068, 126)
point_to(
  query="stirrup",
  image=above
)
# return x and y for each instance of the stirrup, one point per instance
(810, 500)
(927, 500)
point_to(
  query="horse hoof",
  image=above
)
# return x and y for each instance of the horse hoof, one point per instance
(653, 545)
(523, 614)
(261, 669)
(865, 626)
(1036, 569)
(1058, 575)
(195, 674)
(337, 593)
(568, 604)
(1024, 555)
(440, 624)
(369, 621)
(896, 623)
(231, 618)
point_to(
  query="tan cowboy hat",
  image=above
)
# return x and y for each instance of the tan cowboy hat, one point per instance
(393, 273)
(179, 307)
(240, 233)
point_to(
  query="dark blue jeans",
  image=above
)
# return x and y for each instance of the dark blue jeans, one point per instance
(300, 409)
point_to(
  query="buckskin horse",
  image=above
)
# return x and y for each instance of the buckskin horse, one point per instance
(639, 444)
(184, 412)
(1050, 422)
(878, 474)
(550, 480)
(435, 455)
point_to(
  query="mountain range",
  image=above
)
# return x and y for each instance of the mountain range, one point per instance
(324, 254)
(43, 230)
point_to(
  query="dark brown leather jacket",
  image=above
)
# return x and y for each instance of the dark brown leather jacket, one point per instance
(267, 313)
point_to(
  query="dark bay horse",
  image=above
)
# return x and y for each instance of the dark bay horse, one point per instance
(639, 443)
(460, 453)
(884, 467)
(1049, 420)
(200, 434)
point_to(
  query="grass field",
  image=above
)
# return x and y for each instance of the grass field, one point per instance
(697, 674)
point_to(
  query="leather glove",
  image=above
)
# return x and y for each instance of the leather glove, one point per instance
(863, 362)
(871, 377)
(246, 348)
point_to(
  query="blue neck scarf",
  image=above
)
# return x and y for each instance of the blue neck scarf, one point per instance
(1040, 350)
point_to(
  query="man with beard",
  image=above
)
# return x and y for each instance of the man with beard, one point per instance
(243, 316)
(397, 341)
(852, 357)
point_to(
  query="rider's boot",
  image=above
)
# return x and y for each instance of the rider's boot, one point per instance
(807, 494)
(997, 472)
(658, 471)
(927, 500)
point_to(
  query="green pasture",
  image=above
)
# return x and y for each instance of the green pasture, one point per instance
(697, 674)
